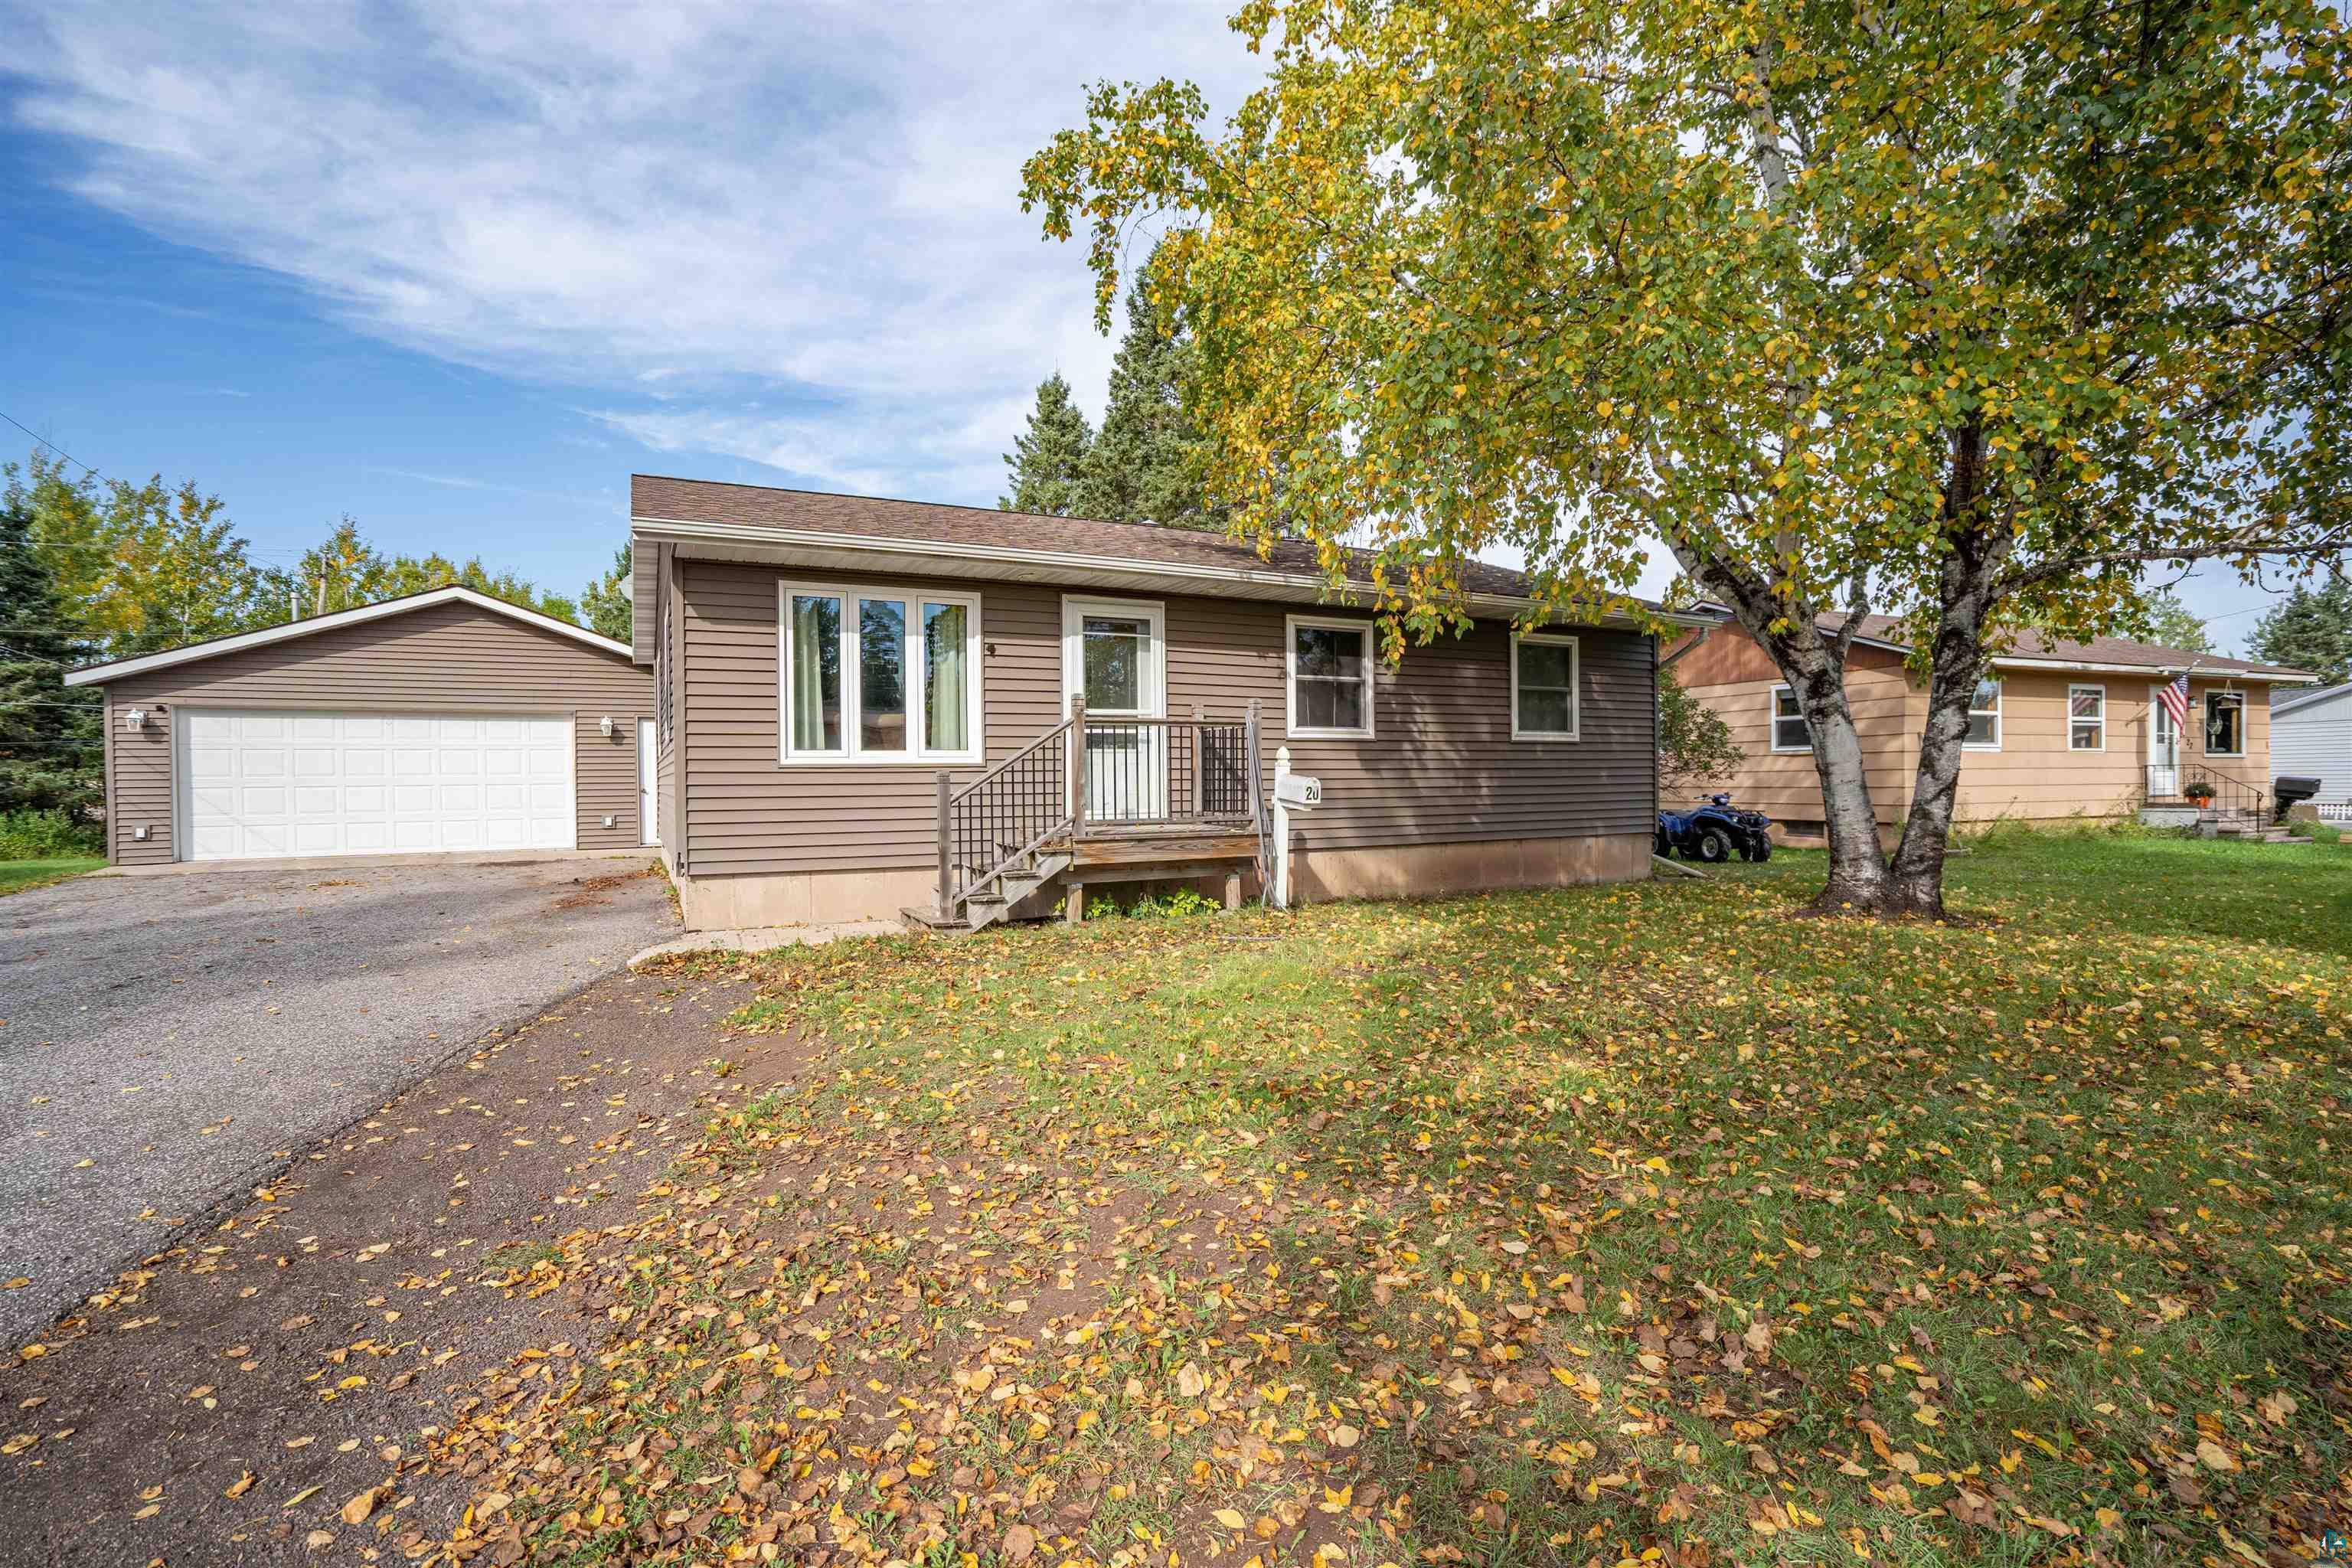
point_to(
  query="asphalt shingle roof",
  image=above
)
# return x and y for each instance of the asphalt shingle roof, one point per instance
(2097, 650)
(653, 497)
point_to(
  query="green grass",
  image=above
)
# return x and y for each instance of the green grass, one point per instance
(1543, 1227)
(15, 876)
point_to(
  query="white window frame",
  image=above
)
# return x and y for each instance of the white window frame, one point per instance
(2205, 711)
(2072, 689)
(2000, 701)
(1153, 677)
(1575, 730)
(1774, 718)
(847, 754)
(1291, 726)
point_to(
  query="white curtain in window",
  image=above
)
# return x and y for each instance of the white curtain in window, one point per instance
(816, 674)
(945, 689)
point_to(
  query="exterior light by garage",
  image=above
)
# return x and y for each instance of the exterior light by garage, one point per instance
(136, 719)
(604, 726)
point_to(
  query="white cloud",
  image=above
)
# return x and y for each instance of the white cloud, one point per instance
(704, 213)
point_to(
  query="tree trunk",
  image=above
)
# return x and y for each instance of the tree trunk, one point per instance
(1957, 664)
(1858, 882)
(1814, 666)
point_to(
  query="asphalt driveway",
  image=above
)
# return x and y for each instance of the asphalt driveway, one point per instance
(166, 1041)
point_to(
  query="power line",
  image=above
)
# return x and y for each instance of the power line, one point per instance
(52, 446)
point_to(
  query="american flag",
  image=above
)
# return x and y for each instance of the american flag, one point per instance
(2175, 697)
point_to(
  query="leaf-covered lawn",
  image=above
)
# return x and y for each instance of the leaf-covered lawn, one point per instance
(1637, 1223)
(15, 876)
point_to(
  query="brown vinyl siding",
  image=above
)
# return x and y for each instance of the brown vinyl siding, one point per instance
(1442, 769)
(442, 658)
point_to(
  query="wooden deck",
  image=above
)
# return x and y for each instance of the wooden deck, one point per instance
(1189, 810)
(1109, 852)
(1155, 856)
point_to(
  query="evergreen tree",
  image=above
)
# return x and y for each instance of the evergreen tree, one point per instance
(1047, 463)
(605, 606)
(2171, 624)
(1149, 463)
(52, 753)
(2313, 630)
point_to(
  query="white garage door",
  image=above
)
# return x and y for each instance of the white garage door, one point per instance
(262, 783)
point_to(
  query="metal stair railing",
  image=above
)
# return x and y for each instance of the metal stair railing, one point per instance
(1023, 801)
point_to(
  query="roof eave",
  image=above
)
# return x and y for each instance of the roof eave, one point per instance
(2211, 672)
(858, 551)
(238, 642)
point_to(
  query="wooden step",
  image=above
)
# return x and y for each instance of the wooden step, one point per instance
(1162, 849)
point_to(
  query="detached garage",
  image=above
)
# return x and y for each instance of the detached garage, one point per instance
(446, 721)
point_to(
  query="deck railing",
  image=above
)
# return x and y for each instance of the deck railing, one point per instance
(1101, 776)
(1166, 773)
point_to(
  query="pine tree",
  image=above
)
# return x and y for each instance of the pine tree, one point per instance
(1149, 463)
(605, 606)
(2171, 624)
(1047, 463)
(51, 747)
(2313, 630)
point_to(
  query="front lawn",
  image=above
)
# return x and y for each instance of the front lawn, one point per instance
(1637, 1223)
(15, 876)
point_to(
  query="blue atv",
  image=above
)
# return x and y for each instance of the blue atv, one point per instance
(1714, 832)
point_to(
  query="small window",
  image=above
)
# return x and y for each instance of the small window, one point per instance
(2087, 717)
(1790, 731)
(880, 676)
(1984, 716)
(2225, 724)
(1543, 688)
(1330, 678)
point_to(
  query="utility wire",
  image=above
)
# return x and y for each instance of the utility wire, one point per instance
(35, 658)
(52, 446)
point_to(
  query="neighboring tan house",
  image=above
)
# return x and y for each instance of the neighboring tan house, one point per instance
(444, 720)
(865, 706)
(2311, 737)
(2059, 730)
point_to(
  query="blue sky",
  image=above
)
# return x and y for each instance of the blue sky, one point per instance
(458, 267)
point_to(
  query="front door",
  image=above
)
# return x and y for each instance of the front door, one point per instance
(2163, 748)
(1115, 656)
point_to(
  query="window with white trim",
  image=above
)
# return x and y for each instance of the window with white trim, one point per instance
(1984, 716)
(2087, 717)
(879, 674)
(2225, 724)
(1790, 731)
(1330, 678)
(1543, 687)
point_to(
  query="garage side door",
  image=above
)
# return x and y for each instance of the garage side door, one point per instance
(259, 784)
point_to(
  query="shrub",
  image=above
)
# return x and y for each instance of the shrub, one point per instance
(49, 836)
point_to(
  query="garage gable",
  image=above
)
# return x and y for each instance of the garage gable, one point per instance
(450, 721)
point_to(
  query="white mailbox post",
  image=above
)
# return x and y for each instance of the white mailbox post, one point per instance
(1292, 792)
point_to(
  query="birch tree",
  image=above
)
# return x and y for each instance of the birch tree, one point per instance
(1967, 313)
